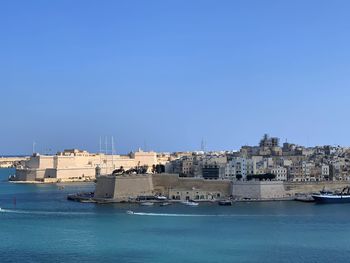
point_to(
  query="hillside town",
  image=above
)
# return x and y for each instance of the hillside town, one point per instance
(289, 162)
(266, 161)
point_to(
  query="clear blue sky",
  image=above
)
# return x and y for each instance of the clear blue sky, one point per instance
(169, 73)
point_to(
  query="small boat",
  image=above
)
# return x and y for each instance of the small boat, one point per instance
(329, 197)
(190, 203)
(129, 212)
(165, 204)
(146, 203)
(161, 197)
(225, 202)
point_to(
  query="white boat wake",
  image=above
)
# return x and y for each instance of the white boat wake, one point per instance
(15, 211)
(208, 215)
(164, 214)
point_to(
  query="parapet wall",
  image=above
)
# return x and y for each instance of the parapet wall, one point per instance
(162, 183)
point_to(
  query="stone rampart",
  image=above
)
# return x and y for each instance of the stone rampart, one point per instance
(130, 186)
(259, 190)
(310, 187)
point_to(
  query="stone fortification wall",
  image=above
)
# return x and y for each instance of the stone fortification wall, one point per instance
(310, 187)
(75, 167)
(105, 187)
(130, 186)
(276, 189)
(259, 190)
(7, 162)
(163, 182)
(26, 175)
(75, 173)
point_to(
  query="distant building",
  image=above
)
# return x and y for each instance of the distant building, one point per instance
(239, 166)
(76, 165)
(268, 142)
(211, 171)
(280, 172)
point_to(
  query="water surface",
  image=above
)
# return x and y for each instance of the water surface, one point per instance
(38, 224)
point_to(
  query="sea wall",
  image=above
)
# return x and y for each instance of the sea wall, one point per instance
(310, 187)
(170, 185)
(163, 182)
(259, 190)
(179, 188)
(278, 189)
(132, 186)
(105, 187)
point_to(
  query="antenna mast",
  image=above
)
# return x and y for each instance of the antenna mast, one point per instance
(112, 151)
(33, 149)
(203, 145)
(106, 151)
(100, 145)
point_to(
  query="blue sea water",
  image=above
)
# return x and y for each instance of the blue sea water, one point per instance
(38, 224)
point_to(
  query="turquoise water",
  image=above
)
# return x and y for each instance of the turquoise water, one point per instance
(41, 226)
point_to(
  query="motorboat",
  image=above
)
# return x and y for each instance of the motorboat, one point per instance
(190, 203)
(165, 204)
(161, 197)
(225, 202)
(129, 212)
(147, 203)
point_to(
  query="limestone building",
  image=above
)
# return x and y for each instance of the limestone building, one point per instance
(76, 165)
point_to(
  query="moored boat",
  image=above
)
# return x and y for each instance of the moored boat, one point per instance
(146, 203)
(225, 202)
(190, 203)
(161, 197)
(165, 204)
(328, 197)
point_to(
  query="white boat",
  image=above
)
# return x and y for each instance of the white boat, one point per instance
(161, 197)
(129, 212)
(147, 203)
(165, 204)
(190, 203)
